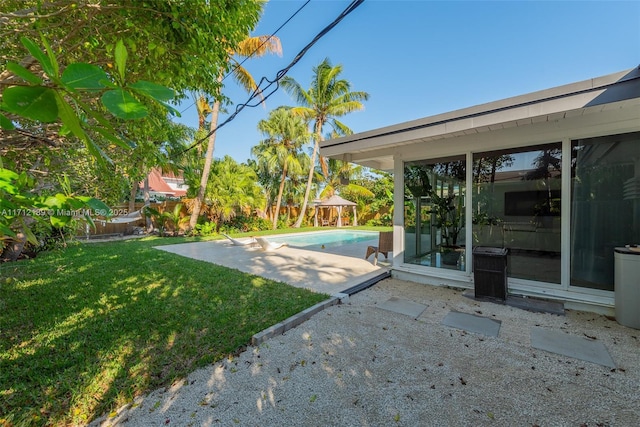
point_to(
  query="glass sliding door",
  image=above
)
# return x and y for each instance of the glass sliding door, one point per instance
(516, 205)
(605, 205)
(434, 212)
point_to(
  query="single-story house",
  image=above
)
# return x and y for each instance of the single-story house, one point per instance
(553, 176)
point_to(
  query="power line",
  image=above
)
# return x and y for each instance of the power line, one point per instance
(266, 40)
(257, 48)
(279, 75)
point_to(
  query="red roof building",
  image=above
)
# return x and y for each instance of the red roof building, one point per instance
(166, 184)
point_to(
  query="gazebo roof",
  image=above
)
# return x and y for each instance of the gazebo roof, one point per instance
(336, 200)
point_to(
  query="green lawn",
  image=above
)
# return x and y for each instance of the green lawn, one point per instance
(83, 331)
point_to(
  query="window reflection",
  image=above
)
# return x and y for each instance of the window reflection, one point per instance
(434, 212)
(605, 205)
(516, 205)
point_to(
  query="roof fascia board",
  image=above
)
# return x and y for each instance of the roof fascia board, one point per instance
(549, 101)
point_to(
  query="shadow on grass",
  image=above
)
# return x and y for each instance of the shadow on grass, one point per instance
(86, 330)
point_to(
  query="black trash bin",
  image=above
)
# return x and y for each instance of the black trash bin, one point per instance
(490, 273)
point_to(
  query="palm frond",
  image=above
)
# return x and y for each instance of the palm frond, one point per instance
(259, 46)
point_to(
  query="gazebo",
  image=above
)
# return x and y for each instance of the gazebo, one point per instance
(339, 203)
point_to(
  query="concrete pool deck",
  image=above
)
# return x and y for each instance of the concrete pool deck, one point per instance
(329, 271)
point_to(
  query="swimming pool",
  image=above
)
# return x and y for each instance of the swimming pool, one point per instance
(327, 238)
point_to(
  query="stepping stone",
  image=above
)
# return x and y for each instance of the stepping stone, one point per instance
(472, 323)
(403, 306)
(571, 345)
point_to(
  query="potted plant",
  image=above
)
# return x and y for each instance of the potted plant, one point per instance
(448, 211)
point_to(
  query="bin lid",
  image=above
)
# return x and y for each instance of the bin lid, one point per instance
(629, 250)
(485, 250)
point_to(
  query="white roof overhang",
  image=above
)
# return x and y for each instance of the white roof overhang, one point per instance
(376, 148)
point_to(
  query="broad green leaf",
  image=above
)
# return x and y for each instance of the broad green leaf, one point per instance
(123, 105)
(121, 59)
(32, 102)
(60, 220)
(172, 110)
(55, 202)
(114, 139)
(6, 231)
(97, 205)
(108, 83)
(22, 72)
(5, 123)
(43, 59)
(85, 77)
(70, 119)
(31, 238)
(52, 57)
(98, 153)
(8, 175)
(153, 90)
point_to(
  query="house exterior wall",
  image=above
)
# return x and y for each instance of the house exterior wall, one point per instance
(561, 130)
(556, 121)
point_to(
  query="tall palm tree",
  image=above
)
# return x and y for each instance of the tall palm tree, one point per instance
(328, 98)
(252, 46)
(286, 134)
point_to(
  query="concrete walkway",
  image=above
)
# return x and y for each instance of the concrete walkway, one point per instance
(329, 271)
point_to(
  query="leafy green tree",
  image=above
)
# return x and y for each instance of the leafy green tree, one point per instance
(328, 98)
(378, 207)
(233, 188)
(176, 46)
(48, 108)
(60, 99)
(268, 181)
(281, 151)
(340, 179)
(182, 46)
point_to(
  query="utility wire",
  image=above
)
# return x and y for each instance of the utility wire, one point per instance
(279, 75)
(256, 49)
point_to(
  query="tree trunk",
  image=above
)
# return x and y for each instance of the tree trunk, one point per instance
(279, 200)
(307, 191)
(132, 196)
(146, 197)
(15, 247)
(197, 205)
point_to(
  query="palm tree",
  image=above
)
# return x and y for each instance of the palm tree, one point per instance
(233, 188)
(338, 180)
(252, 46)
(286, 134)
(267, 180)
(328, 97)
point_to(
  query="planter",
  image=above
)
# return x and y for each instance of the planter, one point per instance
(450, 255)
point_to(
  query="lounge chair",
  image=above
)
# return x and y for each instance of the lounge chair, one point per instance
(385, 245)
(267, 245)
(243, 242)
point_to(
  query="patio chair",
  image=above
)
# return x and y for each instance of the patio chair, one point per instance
(385, 245)
(243, 242)
(267, 245)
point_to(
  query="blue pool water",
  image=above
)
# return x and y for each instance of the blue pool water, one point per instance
(331, 238)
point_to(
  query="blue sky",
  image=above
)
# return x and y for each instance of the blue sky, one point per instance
(421, 58)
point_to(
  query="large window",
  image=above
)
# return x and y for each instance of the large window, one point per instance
(516, 205)
(434, 212)
(605, 205)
